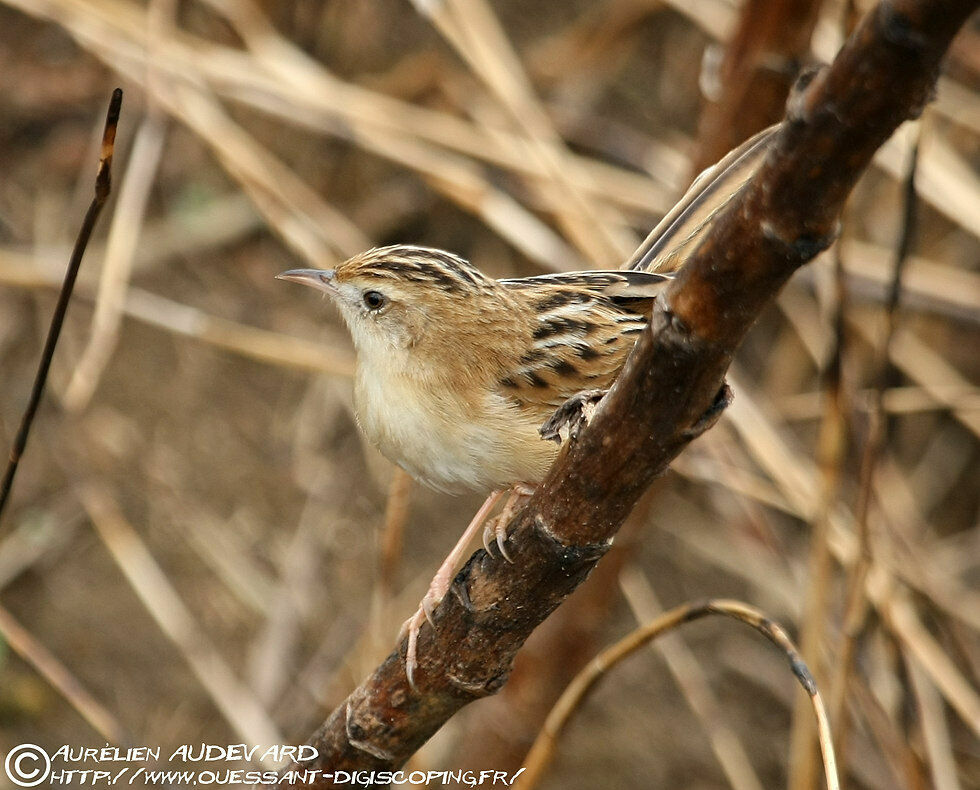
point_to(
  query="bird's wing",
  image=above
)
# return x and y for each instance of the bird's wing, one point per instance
(584, 325)
(623, 287)
(669, 244)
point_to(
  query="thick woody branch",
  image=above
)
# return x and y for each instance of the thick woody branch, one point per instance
(670, 391)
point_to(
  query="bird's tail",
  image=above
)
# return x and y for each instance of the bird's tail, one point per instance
(675, 237)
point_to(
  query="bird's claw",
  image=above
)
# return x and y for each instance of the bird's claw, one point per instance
(571, 416)
(497, 528)
(411, 627)
(428, 607)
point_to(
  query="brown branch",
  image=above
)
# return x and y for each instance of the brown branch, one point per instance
(501, 732)
(669, 393)
(761, 63)
(103, 182)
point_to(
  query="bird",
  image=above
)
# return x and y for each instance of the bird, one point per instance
(460, 378)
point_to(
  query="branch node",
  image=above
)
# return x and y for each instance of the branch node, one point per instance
(802, 672)
(797, 111)
(676, 323)
(721, 402)
(480, 688)
(566, 555)
(897, 28)
(799, 248)
(357, 736)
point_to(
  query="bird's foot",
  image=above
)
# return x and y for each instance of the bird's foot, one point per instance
(496, 528)
(571, 416)
(437, 590)
(439, 586)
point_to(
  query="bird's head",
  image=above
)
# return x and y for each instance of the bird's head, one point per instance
(401, 297)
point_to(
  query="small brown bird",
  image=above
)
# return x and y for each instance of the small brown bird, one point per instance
(457, 372)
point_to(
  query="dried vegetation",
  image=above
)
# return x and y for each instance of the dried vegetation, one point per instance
(200, 547)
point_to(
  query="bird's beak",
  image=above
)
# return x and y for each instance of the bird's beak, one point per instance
(321, 279)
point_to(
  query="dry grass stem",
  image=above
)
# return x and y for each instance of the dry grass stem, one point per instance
(392, 533)
(805, 406)
(832, 446)
(61, 678)
(856, 602)
(526, 142)
(571, 701)
(237, 704)
(308, 85)
(686, 669)
(124, 235)
(273, 348)
(473, 30)
(935, 732)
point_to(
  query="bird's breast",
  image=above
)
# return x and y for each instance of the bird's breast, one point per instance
(450, 440)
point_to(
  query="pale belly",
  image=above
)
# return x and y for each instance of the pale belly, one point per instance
(452, 448)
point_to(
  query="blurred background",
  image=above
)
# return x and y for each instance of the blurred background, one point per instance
(201, 548)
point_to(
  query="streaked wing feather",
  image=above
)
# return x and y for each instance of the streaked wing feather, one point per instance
(585, 325)
(621, 286)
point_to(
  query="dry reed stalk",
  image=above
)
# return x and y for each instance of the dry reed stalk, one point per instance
(308, 224)
(110, 28)
(275, 648)
(685, 667)
(926, 366)
(943, 178)
(222, 221)
(855, 600)
(900, 618)
(352, 102)
(60, 677)
(237, 704)
(796, 479)
(544, 747)
(124, 235)
(474, 32)
(273, 348)
(451, 175)
(831, 451)
(392, 534)
(103, 181)
(805, 406)
(220, 549)
(935, 732)
(927, 285)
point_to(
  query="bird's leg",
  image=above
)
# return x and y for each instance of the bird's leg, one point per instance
(574, 413)
(497, 527)
(440, 585)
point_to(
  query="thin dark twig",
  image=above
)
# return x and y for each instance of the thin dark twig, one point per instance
(102, 188)
(856, 601)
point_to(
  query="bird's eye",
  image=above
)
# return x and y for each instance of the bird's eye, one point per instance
(374, 300)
